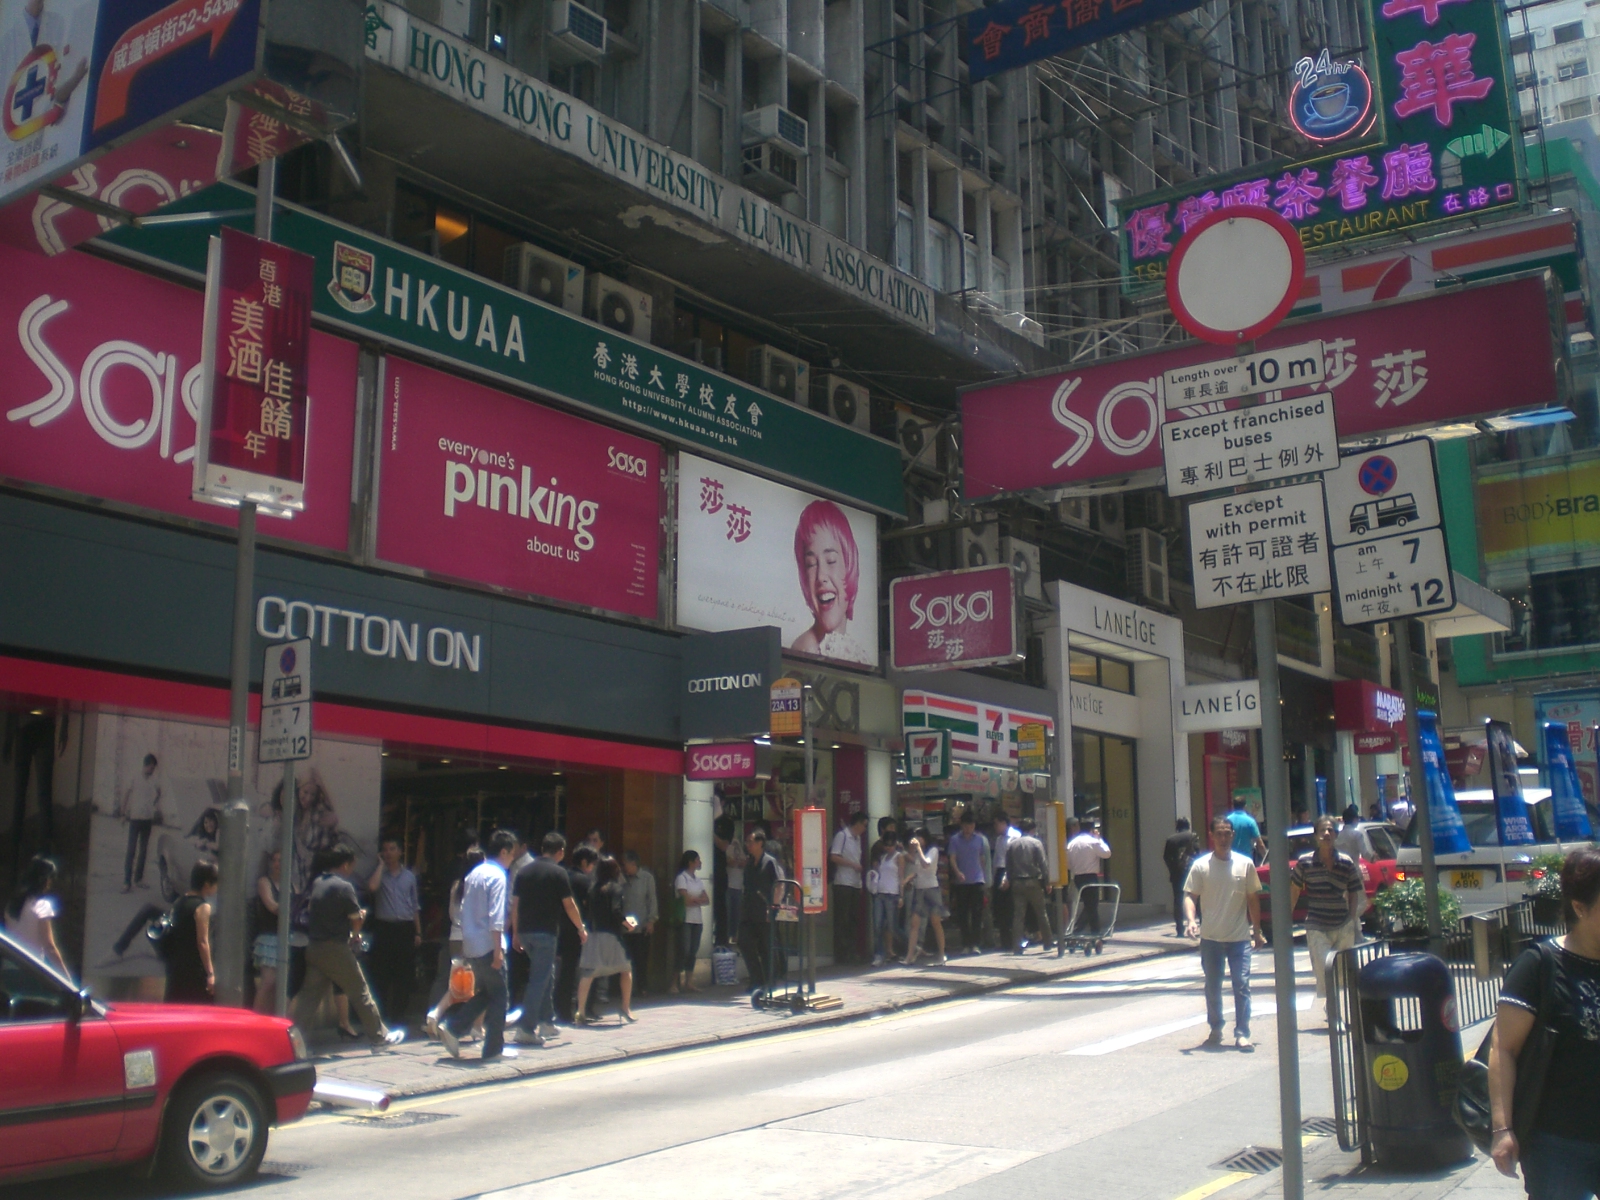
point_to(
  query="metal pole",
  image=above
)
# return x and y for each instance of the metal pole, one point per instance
(286, 815)
(810, 932)
(1275, 798)
(233, 892)
(1417, 785)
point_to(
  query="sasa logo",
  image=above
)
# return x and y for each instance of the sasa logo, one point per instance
(628, 464)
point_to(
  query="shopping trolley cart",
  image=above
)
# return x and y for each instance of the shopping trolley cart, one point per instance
(1104, 900)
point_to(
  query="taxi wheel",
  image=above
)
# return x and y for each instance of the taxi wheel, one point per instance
(215, 1134)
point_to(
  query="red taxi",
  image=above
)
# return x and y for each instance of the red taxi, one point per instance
(190, 1091)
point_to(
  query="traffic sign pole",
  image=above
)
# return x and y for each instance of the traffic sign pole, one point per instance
(1275, 798)
(286, 814)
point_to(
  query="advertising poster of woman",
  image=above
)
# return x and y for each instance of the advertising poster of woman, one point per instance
(736, 536)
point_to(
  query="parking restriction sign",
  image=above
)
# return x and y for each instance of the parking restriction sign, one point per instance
(1385, 523)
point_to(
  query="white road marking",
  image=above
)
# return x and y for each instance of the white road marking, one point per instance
(818, 1164)
(1149, 1034)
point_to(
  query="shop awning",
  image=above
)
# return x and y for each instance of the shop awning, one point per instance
(1477, 611)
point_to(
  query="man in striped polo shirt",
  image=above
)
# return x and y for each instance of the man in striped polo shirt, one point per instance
(1335, 899)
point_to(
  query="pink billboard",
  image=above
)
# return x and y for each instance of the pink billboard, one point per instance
(479, 485)
(1415, 362)
(100, 386)
(952, 619)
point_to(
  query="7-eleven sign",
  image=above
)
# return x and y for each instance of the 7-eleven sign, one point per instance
(928, 754)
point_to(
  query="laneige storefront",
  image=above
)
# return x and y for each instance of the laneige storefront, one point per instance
(1118, 670)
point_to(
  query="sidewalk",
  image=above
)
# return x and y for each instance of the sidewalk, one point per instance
(1333, 1173)
(419, 1067)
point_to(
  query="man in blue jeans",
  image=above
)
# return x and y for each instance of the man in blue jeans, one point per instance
(1228, 890)
(541, 900)
(483, 944)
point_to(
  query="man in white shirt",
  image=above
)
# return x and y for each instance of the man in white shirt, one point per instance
(1085, 853)
(1229, 893)
(141, 806)
(845, 856)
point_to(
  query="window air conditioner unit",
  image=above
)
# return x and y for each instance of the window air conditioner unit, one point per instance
(846, 402)
(979, 545)
(576, 33)
(1075, 512)
(1024, 560)
(774, 122)
(784, 375)
(544, 276)
(618, 306)
(1108, 515)
(769, 168)
(1147, 566)
(919, 439)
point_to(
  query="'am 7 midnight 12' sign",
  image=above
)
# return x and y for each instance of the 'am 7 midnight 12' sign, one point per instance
(1448, 147)
(1016, 32)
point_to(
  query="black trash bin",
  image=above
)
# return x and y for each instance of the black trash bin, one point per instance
(1411, 1053)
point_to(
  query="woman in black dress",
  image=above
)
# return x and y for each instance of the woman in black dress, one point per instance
(603, 953)
(190, 979)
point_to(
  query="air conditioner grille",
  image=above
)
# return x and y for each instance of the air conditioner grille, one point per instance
(791, 128)
(586, 26)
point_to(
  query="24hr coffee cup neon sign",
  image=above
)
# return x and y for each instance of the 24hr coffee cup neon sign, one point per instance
(1330, 100)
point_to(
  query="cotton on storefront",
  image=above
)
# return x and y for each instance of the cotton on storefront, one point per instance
(482, 575)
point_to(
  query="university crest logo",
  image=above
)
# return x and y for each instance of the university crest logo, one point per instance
(353, 273)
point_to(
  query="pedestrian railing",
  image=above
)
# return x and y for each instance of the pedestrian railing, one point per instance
(1477, 952)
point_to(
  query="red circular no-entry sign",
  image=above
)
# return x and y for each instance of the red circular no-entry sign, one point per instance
(1236, 273)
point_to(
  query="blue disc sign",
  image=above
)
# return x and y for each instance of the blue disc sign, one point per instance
(286, 660)
(1378, 474)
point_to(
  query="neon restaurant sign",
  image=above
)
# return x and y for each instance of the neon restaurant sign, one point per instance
(1441, 145)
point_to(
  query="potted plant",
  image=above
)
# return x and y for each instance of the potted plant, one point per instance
(1403, 907)
(1544, 888)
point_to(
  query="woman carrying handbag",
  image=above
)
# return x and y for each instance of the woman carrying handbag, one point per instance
(1544, 1062)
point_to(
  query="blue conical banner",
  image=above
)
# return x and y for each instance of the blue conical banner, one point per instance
(1449, 834)
(1511, 811)
(1566, 794)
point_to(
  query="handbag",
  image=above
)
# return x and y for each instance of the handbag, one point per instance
(1472, 1107)
(463, 980)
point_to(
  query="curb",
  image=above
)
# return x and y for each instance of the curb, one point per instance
(807, 1022)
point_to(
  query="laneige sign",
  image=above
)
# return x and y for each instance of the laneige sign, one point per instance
(1206, 707)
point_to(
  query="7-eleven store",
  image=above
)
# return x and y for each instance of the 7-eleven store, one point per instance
(983, 771)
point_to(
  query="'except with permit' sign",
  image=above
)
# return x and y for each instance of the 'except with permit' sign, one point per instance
(1259, 545)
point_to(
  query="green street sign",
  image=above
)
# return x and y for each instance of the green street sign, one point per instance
(378, 290)
(1443, 147)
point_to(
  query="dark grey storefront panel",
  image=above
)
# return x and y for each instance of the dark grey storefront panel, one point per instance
(106, 589)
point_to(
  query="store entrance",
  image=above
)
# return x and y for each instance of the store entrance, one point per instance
(1105, 789)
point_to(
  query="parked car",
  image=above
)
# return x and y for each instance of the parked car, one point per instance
(188, 1090)
(1488, 875)
(1377, 858)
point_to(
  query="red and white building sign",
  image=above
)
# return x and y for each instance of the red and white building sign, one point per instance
(100, 383)
(1433, 360)
(1374, 715)
(953, 619)
(979, 733)
(484, 486)
(257, 347)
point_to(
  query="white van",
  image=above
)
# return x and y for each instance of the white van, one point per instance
(1489, 875)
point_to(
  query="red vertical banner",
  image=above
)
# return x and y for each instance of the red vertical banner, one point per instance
(252, 443)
